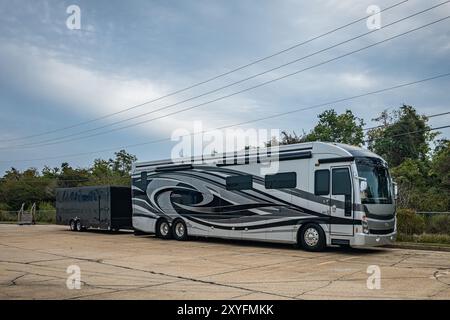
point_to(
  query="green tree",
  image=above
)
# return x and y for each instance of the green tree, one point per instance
(440, 164)
(123, 161)
(342, 128)
(332, 127)
(402, 135)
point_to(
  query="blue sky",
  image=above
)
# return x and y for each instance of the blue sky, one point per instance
(130, 52)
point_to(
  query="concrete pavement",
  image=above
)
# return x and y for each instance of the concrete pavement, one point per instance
(34, 261)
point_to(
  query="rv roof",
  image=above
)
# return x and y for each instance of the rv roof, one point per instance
(336, 149)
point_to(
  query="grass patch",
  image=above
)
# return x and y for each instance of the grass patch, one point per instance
(7, 216)
(44, 216)
(424, 238)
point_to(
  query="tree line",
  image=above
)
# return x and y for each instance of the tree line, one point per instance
(418, 161)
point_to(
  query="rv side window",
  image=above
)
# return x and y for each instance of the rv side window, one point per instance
(322, 182)
(186, 197)
(341, 184)
(281, 180)
(239, 182)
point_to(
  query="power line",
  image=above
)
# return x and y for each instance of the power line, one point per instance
(242, 123)
(208, 80)
(430, 116)
(62, 139)
(368, 140)
(229, 95)
(411, 132)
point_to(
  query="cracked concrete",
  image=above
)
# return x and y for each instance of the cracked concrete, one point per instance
(34, 260)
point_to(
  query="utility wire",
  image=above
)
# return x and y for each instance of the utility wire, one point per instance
(208, 80)
(368, 140)
(229, 95)
(241, 123)
(62, 139)
(407, 133)
(430, 116)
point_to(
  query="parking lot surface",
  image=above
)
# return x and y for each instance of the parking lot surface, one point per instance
(34, 261)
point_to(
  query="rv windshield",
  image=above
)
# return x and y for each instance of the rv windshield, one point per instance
(378, 180)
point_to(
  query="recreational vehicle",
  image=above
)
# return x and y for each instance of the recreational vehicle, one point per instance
(320, 194)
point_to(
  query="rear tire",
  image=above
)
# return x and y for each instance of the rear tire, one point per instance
(179, 230)
(311, 237)
(163, 229)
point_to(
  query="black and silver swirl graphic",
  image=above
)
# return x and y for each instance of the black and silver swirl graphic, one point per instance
(200, 196)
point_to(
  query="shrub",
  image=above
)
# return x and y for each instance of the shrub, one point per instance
(408, 222)
(438, 224)
(8, 216)
(4, 207)
(46, 212)
(46, 216)
(425, 238)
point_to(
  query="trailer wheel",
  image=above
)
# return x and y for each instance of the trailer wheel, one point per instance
(311, 237)
(179, 230)
(78, 226)
(163, 229)
(72, 225)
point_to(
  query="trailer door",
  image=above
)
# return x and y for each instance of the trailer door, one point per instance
(341, 196)
(104, 213)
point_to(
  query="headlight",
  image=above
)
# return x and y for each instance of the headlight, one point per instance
(365, 225)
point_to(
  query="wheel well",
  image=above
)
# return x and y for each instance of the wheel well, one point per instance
(158, 221)
(178, 219)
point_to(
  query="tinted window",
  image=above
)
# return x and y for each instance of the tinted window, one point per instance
(239, 182)
(186, 197)
(341, 182)
(322, 182)
(378, 180)
(281, 180)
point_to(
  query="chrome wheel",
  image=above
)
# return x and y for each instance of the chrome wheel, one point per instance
(180, 230)
(72, 225)
(164, 228)
(311, 237)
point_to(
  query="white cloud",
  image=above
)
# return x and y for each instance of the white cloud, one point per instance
(89, 93)
(356, 80)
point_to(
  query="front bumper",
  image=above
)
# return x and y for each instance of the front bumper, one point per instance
(372, 240)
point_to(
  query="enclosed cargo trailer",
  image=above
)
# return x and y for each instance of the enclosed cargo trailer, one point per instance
(100, 207)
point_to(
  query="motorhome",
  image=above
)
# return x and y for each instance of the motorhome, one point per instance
(319, 194)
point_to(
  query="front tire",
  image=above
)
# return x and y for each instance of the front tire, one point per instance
(78, 226)
(163, 229)
(179, 230)
(311, 237)
(72, 225)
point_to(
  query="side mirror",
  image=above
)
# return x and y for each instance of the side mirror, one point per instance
(395, 190)
(363, 185)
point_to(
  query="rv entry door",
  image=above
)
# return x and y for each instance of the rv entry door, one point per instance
(341, 196)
